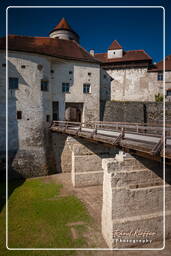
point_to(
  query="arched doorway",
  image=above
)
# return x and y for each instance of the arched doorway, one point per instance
(73, 112)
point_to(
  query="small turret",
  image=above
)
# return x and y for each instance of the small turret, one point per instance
(115, 50)
(64, 31)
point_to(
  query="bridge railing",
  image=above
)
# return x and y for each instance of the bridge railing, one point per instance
(147, 129)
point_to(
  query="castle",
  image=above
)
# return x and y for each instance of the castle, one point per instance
(54, 78)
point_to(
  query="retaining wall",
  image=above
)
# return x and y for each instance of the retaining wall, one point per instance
(132, 213)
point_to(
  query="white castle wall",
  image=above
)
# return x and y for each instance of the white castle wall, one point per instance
(78, 77)
(29, 138)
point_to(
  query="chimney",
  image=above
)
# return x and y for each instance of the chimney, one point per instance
(92, 52)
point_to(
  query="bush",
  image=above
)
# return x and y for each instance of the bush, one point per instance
(158, 97)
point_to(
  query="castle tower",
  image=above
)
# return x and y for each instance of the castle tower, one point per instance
(64, 31)
(115, 50)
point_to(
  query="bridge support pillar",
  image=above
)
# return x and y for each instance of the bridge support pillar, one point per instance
(87, 163)
(132, 212)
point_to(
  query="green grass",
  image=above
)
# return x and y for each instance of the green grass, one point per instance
(38, 218)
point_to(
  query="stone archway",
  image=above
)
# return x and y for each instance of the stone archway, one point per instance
(73, 112)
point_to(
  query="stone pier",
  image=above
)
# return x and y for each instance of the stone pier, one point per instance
(132, 212)
(87, 163)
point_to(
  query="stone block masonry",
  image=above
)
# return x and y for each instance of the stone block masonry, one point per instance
(87, 163)
(134, 112)
(132, 212)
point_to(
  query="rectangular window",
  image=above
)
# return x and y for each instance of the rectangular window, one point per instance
(86, 88)
(44, 85)
(168, 93)
(23, 66)
(47, 118)
(3, 65)
(19, 115)
(70, 72)
(89, 73)
(13, 83)
(160, 76)
(55, 110)
(65, 87)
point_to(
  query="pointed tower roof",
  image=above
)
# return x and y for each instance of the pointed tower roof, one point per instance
(63, 25)
(115, 45)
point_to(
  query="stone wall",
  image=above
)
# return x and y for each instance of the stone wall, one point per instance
(123, 112)
(133, 84)
(133, 202)
(30, 142)
(136, 112)
(29, 139)
(87, 162)
(136, 84)
(76, 74)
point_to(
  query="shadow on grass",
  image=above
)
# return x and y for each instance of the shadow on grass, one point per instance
(12, 185)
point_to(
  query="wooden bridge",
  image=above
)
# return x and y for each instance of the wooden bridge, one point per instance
(147, 140)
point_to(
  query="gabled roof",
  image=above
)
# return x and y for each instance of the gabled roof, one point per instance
(65, 49)
(115, 45)
(159, 65)
(135, 55)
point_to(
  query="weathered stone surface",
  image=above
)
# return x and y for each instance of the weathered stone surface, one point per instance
(87, 163)
(133, 84)
(133, 200)
(135, 112)
(88, 179)
(30, 133)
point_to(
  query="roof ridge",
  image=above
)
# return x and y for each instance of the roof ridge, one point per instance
(54, 47)
(15, 35)
(141, 50)
(81, 47)
(101, 53)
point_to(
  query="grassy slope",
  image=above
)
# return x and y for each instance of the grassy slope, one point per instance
(38, 218)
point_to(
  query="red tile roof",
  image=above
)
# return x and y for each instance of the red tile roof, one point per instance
(159, 65)
(63, 25)
(66, 49)
(136, 55)
(115, 45)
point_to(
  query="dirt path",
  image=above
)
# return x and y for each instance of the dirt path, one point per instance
(92, 198)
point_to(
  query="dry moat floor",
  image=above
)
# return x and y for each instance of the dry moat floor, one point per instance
(47, 212)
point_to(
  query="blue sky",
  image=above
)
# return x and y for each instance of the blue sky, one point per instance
(138, 28)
